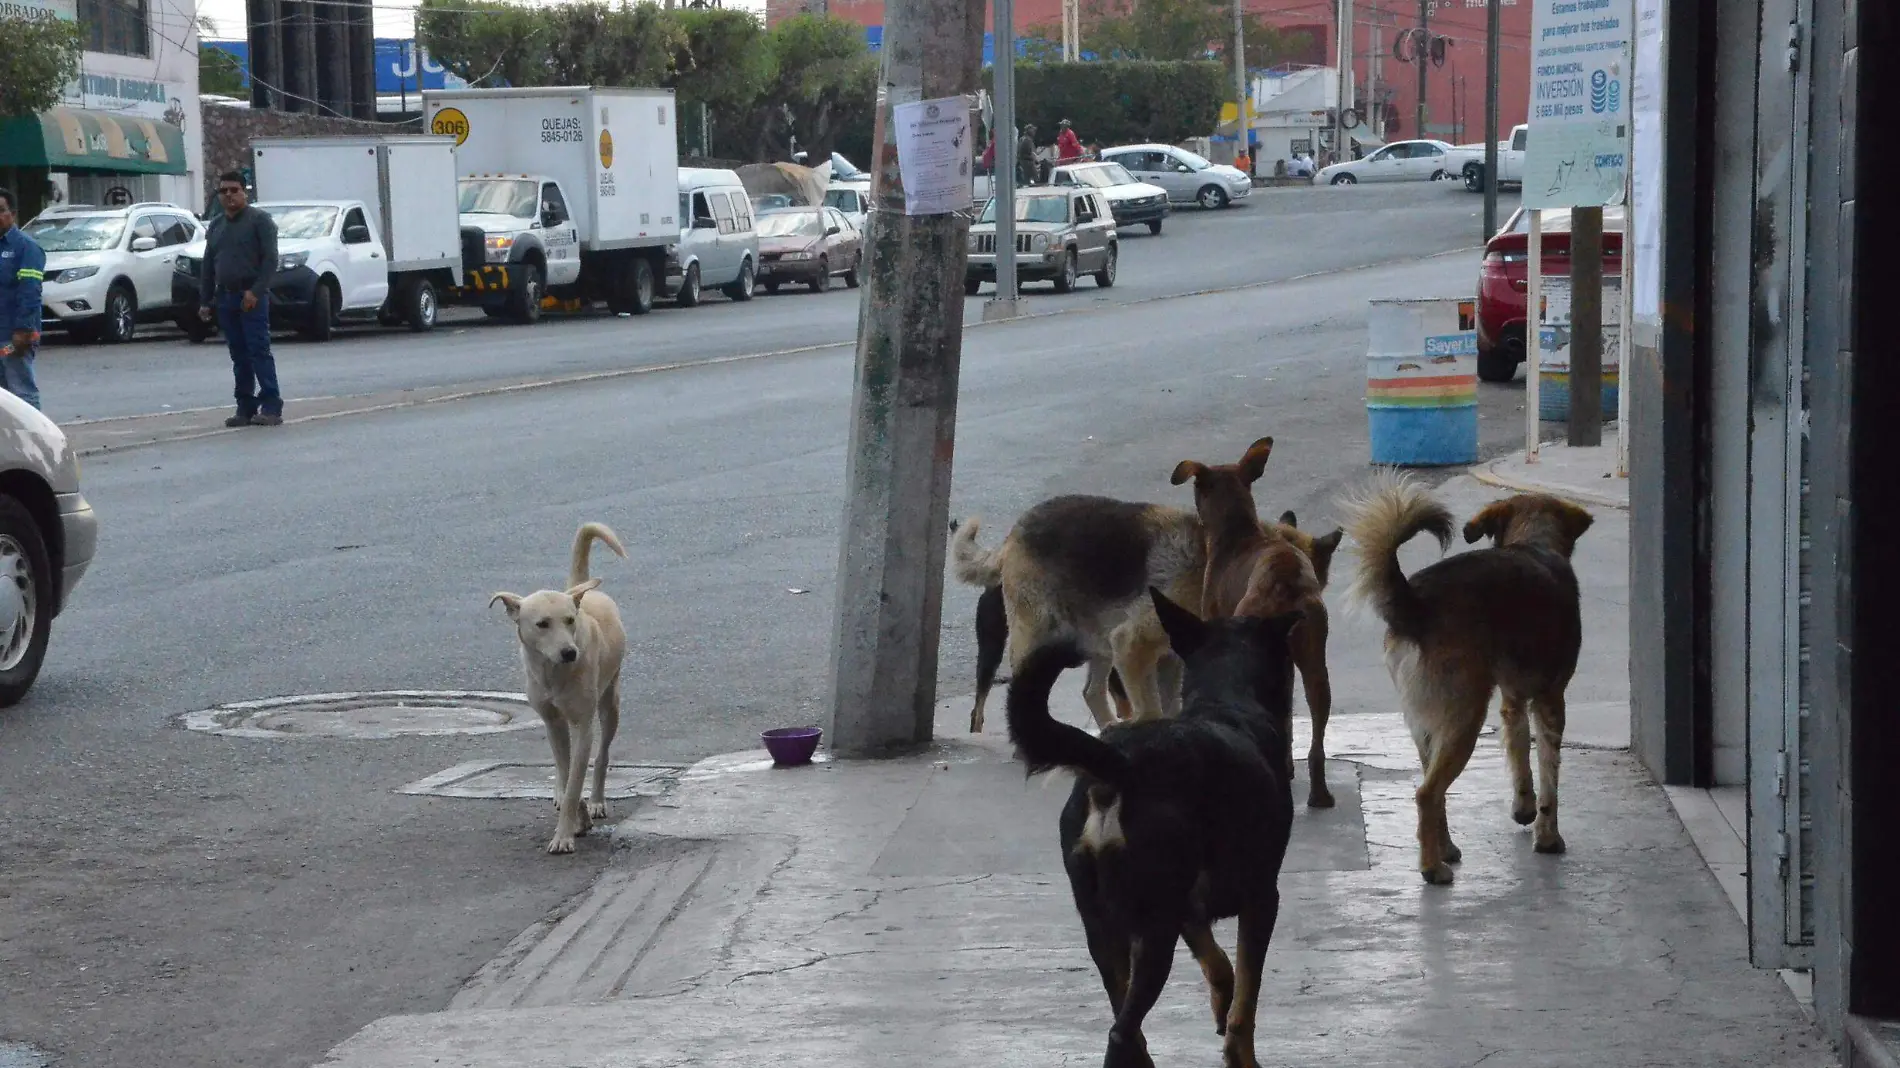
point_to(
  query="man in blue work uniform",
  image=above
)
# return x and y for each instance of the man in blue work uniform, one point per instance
(240, 258)
(22, 269)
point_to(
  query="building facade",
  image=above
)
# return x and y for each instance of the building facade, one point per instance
(127, 130)
(1454, 91)
(1762, 498)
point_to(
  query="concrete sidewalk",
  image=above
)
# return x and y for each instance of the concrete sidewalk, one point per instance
(914, 911)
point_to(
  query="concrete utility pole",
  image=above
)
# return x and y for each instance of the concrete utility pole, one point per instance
(1586, 326)
(904, 410)
(1240, 81)
(1342, 55)
(1491, 35)
(1424, 57)
(1006, 303)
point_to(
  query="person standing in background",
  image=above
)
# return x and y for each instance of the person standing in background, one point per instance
(240, 260)
(1026, 157)
(1068, 146)
(22, 270)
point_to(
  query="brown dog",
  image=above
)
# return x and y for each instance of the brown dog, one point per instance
(1507, 618)
(1254, 570)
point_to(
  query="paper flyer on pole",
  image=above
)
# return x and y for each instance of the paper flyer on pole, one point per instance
(1646, 164)
(933, 155)
(1578, 151)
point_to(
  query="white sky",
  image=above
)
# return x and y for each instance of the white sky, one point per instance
(394, 18)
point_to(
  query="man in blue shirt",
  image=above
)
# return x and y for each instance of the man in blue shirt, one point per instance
(22, 269)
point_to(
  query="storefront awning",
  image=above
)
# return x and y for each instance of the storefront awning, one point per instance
(77, 139)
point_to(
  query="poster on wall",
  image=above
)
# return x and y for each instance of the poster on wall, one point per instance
(1646, 164)
(1578, 151)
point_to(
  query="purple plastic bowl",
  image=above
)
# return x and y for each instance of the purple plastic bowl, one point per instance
(791, 745)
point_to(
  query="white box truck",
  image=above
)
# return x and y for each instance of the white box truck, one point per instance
(404, 185)
(566, 192)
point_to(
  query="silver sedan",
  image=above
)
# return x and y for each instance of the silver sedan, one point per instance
(47, 536)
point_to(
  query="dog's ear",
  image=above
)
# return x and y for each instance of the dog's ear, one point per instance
(1491, 521)
(1576, 521)
(510, 601)
(1185, 470)
(1186, 632)
(1323, 549)
(1253, 463)
(1289, 519)
(580, 591)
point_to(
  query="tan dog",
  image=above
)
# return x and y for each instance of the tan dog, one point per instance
(1254, 569)
(1507, 618)
(572, 643)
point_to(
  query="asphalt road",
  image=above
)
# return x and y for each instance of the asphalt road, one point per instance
(169, 897)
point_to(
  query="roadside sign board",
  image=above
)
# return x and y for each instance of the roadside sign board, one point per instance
(1577, 153)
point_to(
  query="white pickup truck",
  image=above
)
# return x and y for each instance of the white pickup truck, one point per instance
(1467, 161)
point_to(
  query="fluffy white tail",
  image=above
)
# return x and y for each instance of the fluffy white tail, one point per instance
(975, 566)
(588, 534)
(1392, 509)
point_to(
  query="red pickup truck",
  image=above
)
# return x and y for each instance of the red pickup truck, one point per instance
(1503, 280)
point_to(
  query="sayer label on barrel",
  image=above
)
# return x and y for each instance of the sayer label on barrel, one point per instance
(1452, 345)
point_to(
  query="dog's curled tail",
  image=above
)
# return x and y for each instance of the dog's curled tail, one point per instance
(1392, 509)
(1043, 742)
(583, 540)
(974, 565)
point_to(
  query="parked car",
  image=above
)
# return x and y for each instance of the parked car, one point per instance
(109, 269)
(1131, 201)
(1467, 162)
(1400, 161)
(852, 198)
(772, 202)
(47, 536)
(1504, 282)
(1188, 178)
(718, 244)
(808, 245)
(330, 267)
(1061, 234)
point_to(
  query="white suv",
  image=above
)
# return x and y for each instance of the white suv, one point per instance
(107, 269)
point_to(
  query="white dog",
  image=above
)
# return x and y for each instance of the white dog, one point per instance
(572, 643)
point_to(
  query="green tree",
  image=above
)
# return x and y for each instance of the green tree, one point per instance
(39, 59)
(1171, 30)
(1118, 101)
(825, 85)
(725, 65)
(220, 72)
(486, 42)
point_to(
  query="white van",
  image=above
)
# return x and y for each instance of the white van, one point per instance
(718, 246)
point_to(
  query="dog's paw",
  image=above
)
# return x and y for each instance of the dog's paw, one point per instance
(1551, 843)
(1524, 811)
(1453, 854)
(561, 843)
(1319, 796)
(597, 810)
(1438, 874)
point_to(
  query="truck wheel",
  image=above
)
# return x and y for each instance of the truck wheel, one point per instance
(689, 287)
(322, 322)
(524, 304)
(1106, 276)
(638, 279)
(1154, 227)
(1474, 177)
(741, 290)
(972, 286)
(419, 305)
(26, 600)
(771, 287)
(1065, 282)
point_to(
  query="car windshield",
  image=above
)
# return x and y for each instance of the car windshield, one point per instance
(1191, 159)
(842, 199)
(300, 222)
(1103, 176)
(1033, 210)
(1557, 220)
(499, 196)
(790, 224)
(82, 234)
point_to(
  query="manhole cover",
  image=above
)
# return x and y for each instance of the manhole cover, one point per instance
(498, 779)
(380, 714)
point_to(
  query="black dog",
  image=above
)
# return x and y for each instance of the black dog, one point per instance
(1174, 824)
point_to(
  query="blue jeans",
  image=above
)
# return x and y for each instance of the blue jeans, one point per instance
(247, 335)
(17, 369)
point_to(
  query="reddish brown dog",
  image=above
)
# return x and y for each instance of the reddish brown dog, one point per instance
(1507, 618)
(1254, 569)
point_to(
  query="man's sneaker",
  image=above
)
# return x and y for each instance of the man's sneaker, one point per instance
(265, 419)
(239, 419)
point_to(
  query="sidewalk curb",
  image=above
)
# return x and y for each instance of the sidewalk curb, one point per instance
(1489, 475)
